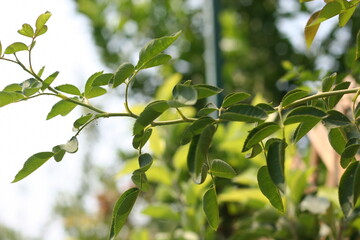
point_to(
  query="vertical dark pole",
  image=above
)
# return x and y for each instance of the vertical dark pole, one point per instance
(212, 48)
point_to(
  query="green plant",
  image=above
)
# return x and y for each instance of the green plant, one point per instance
(268, 125)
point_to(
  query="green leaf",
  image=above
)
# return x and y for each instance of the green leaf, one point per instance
(90, 90)
(348, 188)
(62, 108)
(357, 51)
(292, 96)
(58, 153)
(160, 59)
(95, 92)
(103, 79)
(327, 82)
(41, 21)
(122, 210)
(14, 87)
(47, 82)
(345, 16)
(304, 114)
(141, 138)
(269, 189)
(71, 146)
(336, 119)
(303, 129)
(9, 97)
(195, 128)
(164, 212)
(234, 98)
(244, 113)
(211, 208)
(357, 111)
(311, 29)
(30, 87)
(33, 163)
(41, 71)
(0, 49)
(154, 48)
(16, 47)
(204, 90)
(69, 88)
(220, 168)
(140, 180)
(266, 107)
(275, 161)
(351, 148)
(26, 30)
(82, 120)
(207, 109)
(256, 150)
(333, 100)
(183, 95)
(150, 113)
(41, 31)
(123, 72)
(259, 133)
(337, 139)
(145, 162)
(330, 10)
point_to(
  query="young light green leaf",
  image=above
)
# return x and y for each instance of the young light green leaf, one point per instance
(269, 189)
(123, 72)
(348, 188)
(211, 208)
(140, 180)
(41, 31)
(330, 10)
(164, 212)
(220, 168)
(244, 113)
(41, 71)
(195, 128)
(204, 90)
(26, 30)
(145, 162)
(90, 90)
(82, 120)
(234, 98)
(183, 95)
(275, 161)
(9, 97)
(141, 138)
(95, 92)
(33, 163)
(345, 16)
(0, 49)
(62, 108)
(41, 21)
(292, 96)
(259, 133)
(154, 48)
(16, 47)
(160, 59)
(150, 113)
(327, 82)
(337, 139)
(357, 51)
(336, 119)
(333, 100)
(14, 87)
(303, 129)
(310, 29)
(69, 88)
(122, 210)
(304, 114)
(103, 79)
(47, 82)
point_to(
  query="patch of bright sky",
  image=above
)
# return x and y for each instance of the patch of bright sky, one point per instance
(67, 47)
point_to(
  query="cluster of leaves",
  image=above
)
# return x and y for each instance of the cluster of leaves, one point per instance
(297, 107)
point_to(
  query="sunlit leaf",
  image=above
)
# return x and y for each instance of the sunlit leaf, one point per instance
(330, 10)
(123, 72)
(33, 163)
(204, 90)
(30, 87)
(41, 21)
(154, 48)
(244, 113)
(234, 98)
(160, 59)
(27, 30)
(62, 108)
(41, 71)
(0, 49)
(82, 120)
(103, 79)
(292, 96)
(220, 168)
(150, 113)
(16, 47)
(122, 210)
(14, 87)
(211, 208)
(9, 97)
(93, 91)
(304, 114)
(345, 16)
(47, 82)
(69, 88)
(259, 133)
(183, 95)
(348, 188)
(269, 189)
(310, 29)
(275, 161)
